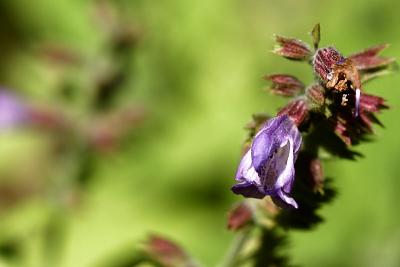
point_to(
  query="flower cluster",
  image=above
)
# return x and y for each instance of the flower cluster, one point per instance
(281, 157)
(335, 103)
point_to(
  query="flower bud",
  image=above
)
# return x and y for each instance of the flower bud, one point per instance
(369, 59)
(239, 216)
(257, 122)
(285, 85)
(343, 129)
(165, 252)
(48, 118)
(324, 60)
(297, 110)
(58, 54)
(372, 103)
(106, 132)
(292, 48)
(316, 93)
(317, 174)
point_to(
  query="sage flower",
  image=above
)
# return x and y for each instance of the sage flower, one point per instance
(267, 168)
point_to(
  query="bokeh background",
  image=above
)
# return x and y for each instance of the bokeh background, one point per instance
(142, 106)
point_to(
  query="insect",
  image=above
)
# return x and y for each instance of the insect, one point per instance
(339, 74)
(344, 76)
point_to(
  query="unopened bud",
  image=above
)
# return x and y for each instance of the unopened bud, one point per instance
(369, 59)
(165, 252)
(239, 216)
(316, 93)
(292, 48)
(285, 85)
(297, 110)
(323, 62)
(317, 174)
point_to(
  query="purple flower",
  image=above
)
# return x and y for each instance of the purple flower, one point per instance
(268, 166)
(12, 111)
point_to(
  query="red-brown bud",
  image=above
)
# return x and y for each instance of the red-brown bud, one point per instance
(240, 216)
(297, 110)
(342, 131)
(47, 118)
(324, 60)
(292, 48)
(255, 124)
(316, 93)
(106, 132)
(372, 103)
(165, 252)
(369, 59)
(317, 174)
(59, 54)
(284, 85)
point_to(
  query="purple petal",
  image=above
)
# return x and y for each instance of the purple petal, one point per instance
(248, 190)
(286, 176)
(268, 167)
(274, 134)
(283, 200)
(246, 171)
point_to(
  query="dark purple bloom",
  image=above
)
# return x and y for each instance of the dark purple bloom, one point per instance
(12, 111)
(268, 166)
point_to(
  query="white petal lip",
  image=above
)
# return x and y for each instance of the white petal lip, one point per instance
(287, 199)
(246, 171)
(287, 175)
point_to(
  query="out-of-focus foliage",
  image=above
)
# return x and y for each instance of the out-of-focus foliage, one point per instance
(196, 69)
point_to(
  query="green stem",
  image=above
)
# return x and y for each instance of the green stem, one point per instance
(232, 256)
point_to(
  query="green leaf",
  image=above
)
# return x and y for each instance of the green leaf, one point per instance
(316, 35)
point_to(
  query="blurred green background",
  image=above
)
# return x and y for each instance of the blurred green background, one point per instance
(195, 68)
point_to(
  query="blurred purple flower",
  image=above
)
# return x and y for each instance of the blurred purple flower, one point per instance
(268, 166)
(12, 111)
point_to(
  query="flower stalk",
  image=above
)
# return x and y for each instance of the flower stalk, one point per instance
(282, 165)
